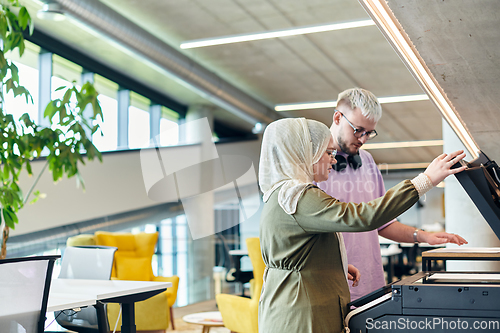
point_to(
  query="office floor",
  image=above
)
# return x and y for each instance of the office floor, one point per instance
(179, 312)
(181, 326)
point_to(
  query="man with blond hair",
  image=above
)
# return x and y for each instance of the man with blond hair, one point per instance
(356, 178)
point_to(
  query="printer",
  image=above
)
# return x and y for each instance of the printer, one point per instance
(441, 301)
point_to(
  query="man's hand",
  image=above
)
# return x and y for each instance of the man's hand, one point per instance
(353, 274)
(435, 238)
(402, 233)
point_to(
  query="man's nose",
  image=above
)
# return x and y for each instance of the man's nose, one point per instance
(334, 161)
(363, 139)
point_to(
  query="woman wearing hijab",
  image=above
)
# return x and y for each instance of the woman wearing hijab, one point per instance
(305, 282)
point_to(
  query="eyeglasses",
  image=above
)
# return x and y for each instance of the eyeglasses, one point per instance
(331, 152)
(360, 133)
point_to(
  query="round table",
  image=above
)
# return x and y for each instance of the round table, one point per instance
(207, 319)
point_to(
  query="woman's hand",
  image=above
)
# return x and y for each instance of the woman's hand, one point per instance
(439, 169)
(353, 274)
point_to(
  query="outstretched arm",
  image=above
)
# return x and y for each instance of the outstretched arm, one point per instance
(402, 233)
(319, 212)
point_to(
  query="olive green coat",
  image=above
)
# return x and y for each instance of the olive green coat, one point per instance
(305, 289)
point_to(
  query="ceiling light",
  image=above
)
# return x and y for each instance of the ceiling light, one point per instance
(332, 104)
(258, 128)
(51, 12)
(274, 34)
(393, 31)
(402, 166)
(305, 106)
(407, 98)
(403, 144)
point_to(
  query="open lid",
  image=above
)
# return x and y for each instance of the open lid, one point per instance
(481, 181)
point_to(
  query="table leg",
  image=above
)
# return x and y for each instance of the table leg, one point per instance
(128, 318)
(237, 266)
(390, 270)
(102, 321)
(426, 264)
(205, 329)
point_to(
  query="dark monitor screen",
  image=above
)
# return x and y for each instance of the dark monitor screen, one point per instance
(481, 181)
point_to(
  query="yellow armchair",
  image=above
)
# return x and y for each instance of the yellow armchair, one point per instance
(133, 262)
(240, 314)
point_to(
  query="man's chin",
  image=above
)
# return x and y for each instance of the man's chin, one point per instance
(354, 151)
(349, 149)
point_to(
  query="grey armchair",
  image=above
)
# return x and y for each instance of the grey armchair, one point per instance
(86, 262)
(24, 286)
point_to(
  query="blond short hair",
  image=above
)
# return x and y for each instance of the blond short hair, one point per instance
(363, 99)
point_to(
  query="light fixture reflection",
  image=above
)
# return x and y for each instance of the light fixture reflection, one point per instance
(403, 144)
(51, 12)
(394, 33)
(402, 166)
(274, 34)
(332, 104)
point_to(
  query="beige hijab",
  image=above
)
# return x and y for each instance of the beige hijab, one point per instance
(290, 147)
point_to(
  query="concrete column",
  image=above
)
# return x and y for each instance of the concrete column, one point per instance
(154, 121)
(182, 130)
(199, 210)
(88, 112)
(199, 111)
(462, 216)
(44, 85)
(123, 97)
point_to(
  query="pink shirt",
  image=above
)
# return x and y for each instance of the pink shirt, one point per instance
(363, 248)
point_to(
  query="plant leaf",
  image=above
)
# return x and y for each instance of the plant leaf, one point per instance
(9, 217)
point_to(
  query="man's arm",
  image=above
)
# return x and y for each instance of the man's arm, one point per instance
(403, 233)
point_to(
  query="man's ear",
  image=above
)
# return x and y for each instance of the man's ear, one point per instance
(336, 117)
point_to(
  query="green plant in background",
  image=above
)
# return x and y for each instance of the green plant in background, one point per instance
(65, 142)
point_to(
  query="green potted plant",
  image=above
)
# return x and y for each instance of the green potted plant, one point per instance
(65, 143)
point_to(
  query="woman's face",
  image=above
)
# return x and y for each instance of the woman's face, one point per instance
(322, 168)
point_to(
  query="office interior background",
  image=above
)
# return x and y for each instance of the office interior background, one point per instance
(151, 81)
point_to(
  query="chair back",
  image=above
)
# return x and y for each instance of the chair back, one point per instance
(133, 261)
(240, 314)
(134, 255)
(87, 262)
(24, 288)
(255, 255)
(90, 262)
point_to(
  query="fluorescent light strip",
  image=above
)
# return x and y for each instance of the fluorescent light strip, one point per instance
(305, 106)
(399, 99)
(402, 166)
(403, 144)
(274, 34)
(386, 22)
(332, 104)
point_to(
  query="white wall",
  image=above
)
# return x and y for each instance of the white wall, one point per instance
(432, 210)
(113, 186)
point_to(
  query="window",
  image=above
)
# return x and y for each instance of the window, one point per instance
(169, 128)
(106, 138)
(28, 77)
(64, 72)
(138, 125)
